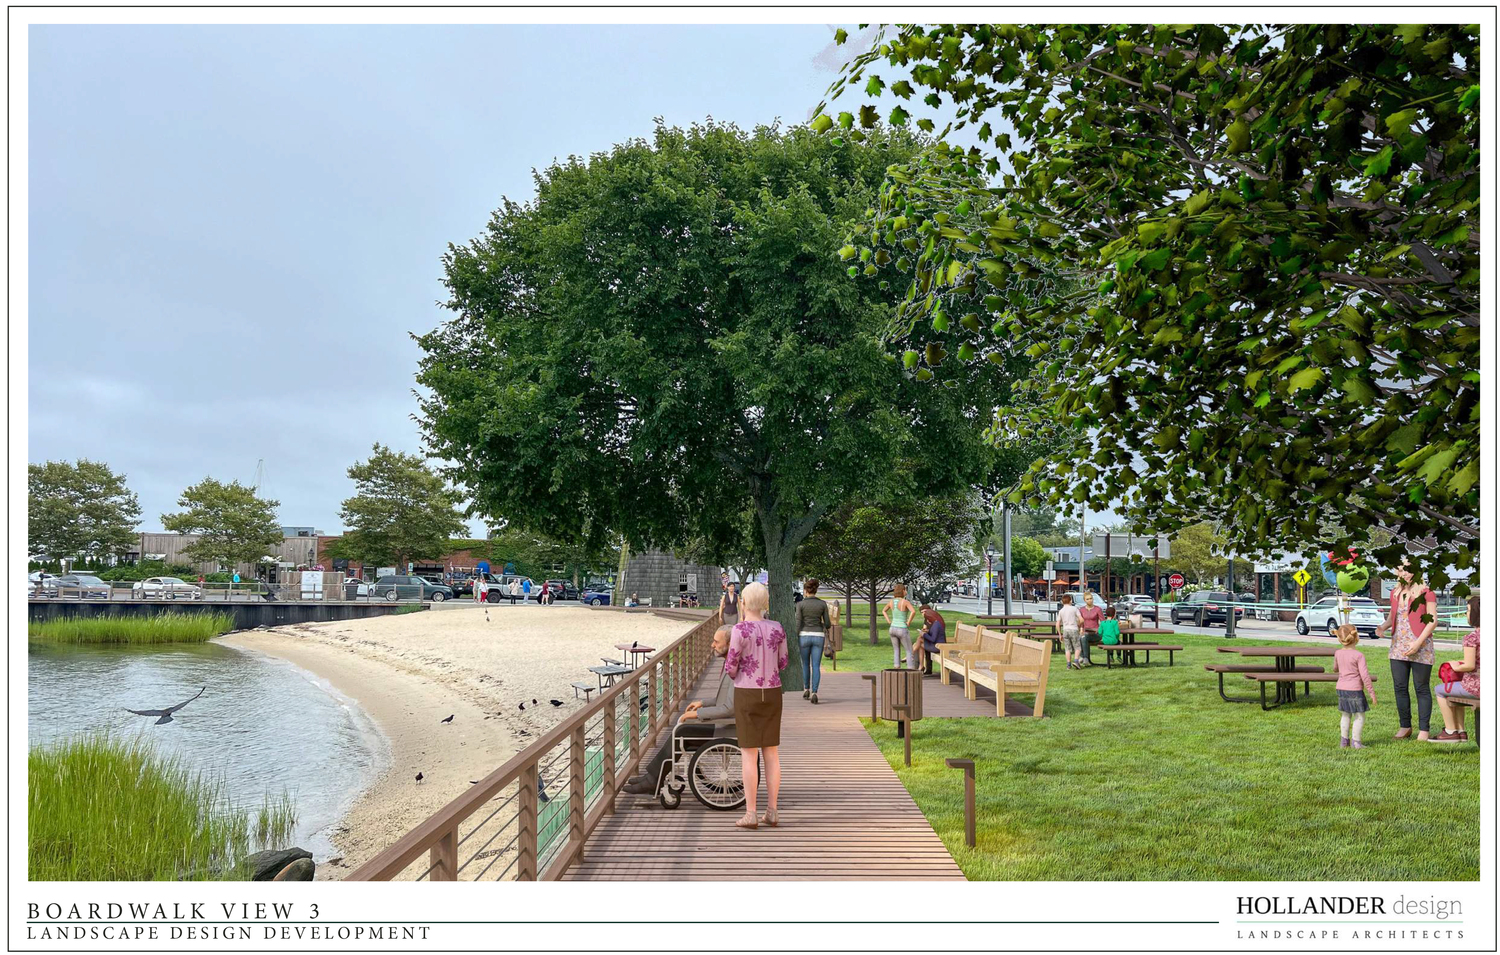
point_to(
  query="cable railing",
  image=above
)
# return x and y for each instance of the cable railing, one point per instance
(529, 819)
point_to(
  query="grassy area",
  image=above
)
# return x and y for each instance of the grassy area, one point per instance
(139, 631)
(1146, 774)
(103, 809)
(409, 608)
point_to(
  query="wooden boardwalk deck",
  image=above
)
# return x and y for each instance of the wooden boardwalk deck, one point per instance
(844, 812)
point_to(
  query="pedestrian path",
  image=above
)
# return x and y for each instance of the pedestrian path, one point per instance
(844, 812)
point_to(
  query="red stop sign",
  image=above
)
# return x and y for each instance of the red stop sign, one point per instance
(1176, 580)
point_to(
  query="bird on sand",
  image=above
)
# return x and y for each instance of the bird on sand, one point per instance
(486, 615)
(166, 714)
(556, 702)
(523, 707)
(448, 720)
(533, 701)
(419, 777)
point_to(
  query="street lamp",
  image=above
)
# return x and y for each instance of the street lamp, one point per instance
(989, 577)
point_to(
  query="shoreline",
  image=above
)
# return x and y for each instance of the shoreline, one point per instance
(405, 674)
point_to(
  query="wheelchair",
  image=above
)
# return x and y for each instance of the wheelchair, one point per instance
(708, 765)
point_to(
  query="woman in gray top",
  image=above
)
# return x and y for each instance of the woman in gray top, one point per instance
(812, 630)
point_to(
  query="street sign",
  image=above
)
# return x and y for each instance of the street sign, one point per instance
(1049, 574)
(1302, 577)
(1176, 581)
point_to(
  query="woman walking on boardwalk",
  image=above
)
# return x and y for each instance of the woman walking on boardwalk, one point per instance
(898, 612)
(1411, 649)
(729, 605)
(757, 655)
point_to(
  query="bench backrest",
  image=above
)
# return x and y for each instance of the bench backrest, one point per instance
(966, 633)
(1028, 652)
(991, 642)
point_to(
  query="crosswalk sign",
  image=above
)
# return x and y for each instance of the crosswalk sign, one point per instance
(1302, 577)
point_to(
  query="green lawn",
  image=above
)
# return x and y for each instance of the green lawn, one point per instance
(1147, 774)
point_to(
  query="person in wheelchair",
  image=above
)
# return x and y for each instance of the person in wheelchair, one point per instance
(696, 722)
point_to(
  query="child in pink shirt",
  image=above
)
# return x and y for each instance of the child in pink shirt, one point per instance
(1354, 682)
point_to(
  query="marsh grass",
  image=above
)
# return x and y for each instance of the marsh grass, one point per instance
(1146, 774)
(409, 608)
(100, 808)
(134, 631)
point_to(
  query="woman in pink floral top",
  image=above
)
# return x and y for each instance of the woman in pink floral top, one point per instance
(1467, 687)
(1411, 649)
(757, 655)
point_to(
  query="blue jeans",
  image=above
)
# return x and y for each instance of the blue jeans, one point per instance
(812, 661)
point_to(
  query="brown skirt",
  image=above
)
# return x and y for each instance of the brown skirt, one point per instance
(757, 716)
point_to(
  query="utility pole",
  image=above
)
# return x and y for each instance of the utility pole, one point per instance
(1006, 520)
(1083, 577)
(1229, 617)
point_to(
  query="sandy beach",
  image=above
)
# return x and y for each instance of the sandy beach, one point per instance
(410, 671)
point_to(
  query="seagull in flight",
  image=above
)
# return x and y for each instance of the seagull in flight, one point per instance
(166, 714)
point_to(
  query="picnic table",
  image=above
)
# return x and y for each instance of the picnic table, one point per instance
(635, 652)
(608, 674)
(1284, 674)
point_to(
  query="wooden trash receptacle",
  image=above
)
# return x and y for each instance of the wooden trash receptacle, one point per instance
(900, 687)
(836, 638)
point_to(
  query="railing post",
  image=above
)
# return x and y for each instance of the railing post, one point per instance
(611, 752)
(527, 826)
(632, 723)
(444, 858)
(577, 784)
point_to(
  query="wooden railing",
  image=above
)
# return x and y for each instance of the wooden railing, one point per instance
(532, 816)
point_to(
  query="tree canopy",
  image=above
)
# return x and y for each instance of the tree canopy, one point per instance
(1272, 238)
(81, 509)
(235, 526)
(665, 336)
(401, 511)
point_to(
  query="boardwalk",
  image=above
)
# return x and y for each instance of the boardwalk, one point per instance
(844, 812)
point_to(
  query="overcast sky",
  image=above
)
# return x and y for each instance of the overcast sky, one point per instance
(234, 229)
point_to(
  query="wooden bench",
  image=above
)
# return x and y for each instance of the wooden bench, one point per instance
(1223, 668)
(1474, 704)
(1022, 670)
(950, 653)
(585, 688)
(989, 644)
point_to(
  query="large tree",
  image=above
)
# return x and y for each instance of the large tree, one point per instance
(1274, 237)
(664, 337)
(234, 525)
(80, 509)
(401, 511)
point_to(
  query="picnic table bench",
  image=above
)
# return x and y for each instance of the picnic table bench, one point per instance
(1223, 668)
(1284, 675)
(609, 674)
(586, 688)
(1128, 649)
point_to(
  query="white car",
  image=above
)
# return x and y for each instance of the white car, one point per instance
(1324, 615)
(165, 588)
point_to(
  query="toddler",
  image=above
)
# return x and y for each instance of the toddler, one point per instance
(1354, 682)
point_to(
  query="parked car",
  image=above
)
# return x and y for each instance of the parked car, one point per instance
(1206, 608)
(36, 583)
(82, 586)
(462, 585)
(355, 588)
(561, 590)
(597, 598)
(165, 588)
(1324, 615)
(497, 589)
(1143, 604)
(409, 587)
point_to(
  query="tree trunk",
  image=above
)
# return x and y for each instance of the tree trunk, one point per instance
(874, 597)
(779, 580)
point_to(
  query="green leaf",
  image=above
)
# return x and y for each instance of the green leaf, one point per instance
(899, 116)
(1305, 378)
(874, 86)
(1465, 478)
(910, 358)
(1404, 439)
(848, 252)
(1238, 134)
(1435, 465)
(1379, 164)
(1196, 204)
(822, 123)
(840, 36)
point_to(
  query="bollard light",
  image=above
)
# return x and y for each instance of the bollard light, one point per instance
(967, 765)
(874, 712)
(905, 712)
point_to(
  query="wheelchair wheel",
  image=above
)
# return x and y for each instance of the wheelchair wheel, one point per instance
(670, 796)
(715, 775)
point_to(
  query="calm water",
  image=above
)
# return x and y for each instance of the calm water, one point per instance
(266, 726)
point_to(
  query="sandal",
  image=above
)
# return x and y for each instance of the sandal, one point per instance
(747, 821)
(770, 818)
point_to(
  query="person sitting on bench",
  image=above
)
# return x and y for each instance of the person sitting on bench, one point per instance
(696, 721)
